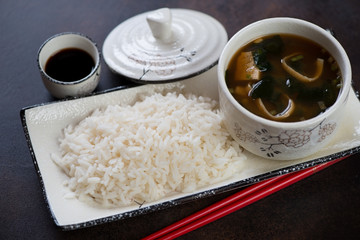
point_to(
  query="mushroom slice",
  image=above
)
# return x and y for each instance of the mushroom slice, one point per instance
(279, 116)
(299, 76)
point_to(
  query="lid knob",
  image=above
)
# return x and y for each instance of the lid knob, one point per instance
(159, 22)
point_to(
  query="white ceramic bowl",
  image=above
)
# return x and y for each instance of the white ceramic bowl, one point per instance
(282, 140)
(54, 44)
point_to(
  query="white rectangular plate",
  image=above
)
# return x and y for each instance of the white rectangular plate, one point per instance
(43, 125)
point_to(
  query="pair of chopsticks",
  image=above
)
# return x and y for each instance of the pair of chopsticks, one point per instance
(235, 202)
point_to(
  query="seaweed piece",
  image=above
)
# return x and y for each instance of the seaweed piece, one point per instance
(329, 94)
(260, 60)
(260, 50)
(262, 89)
(273, 44)
(294, 86)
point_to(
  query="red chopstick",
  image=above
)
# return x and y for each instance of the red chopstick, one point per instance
(235, 202)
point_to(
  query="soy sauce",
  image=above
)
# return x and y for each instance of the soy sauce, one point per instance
(70, 64)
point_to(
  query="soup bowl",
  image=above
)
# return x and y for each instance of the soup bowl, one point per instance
(282, 140)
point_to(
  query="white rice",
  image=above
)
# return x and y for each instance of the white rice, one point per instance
(134, 154)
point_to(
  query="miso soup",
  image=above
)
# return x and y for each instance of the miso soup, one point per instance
(284, 78)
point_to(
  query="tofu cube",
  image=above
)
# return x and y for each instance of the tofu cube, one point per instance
(246, 69)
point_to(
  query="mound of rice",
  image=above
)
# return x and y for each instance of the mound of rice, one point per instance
(134, 154)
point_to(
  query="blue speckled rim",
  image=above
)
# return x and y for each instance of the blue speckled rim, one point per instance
(97, 63)
(160, 206)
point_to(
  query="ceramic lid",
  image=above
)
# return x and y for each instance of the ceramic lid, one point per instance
(164, 45)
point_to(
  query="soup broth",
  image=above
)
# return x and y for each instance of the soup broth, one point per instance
(284, 78)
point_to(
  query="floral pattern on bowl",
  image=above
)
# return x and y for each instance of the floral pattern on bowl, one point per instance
(271, 145)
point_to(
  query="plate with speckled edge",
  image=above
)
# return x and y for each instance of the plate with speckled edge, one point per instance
(44, 122)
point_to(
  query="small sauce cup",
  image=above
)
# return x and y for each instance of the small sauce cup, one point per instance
(69, 86)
